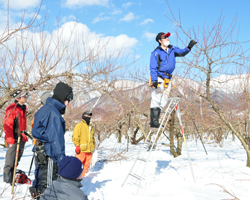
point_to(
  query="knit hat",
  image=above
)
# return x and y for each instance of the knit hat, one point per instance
(62, 92)
(45, 95)
(70, 167)
(162, 35)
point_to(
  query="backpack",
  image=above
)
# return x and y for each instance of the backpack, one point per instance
(22, 178)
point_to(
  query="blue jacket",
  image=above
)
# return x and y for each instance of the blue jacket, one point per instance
(167, 61)
(49, 127)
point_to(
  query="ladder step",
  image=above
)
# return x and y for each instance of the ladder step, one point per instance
(142, 159)
(135, 176)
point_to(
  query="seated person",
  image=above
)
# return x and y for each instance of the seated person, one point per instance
(68, 184)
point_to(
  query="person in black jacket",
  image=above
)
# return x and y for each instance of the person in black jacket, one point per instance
(68, 184)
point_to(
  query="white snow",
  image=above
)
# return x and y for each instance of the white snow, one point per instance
(165, 177)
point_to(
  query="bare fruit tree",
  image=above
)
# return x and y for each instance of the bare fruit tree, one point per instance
(34, 59)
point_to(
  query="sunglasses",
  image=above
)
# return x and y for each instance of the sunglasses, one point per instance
(70, 97)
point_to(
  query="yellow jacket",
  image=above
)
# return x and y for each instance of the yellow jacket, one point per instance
(83, 136)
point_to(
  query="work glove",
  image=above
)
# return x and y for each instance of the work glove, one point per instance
(191, 44)
(155, 84)
(78, 150)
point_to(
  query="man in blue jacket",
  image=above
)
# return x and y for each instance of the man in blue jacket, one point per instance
(162, 65)
(49, 129)
(35, 189)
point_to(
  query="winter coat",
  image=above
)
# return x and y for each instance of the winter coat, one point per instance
(83, 137)
(49, 128)
(10, 124)
(167, 61)
(64, 189)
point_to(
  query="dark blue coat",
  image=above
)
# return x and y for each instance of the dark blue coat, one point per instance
(49, 127)
(167, 61)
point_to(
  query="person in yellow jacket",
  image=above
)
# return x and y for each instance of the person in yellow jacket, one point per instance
(84, 139)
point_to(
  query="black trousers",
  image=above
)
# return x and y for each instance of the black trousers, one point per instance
(11, 155)
(10, 158)
(49, 172)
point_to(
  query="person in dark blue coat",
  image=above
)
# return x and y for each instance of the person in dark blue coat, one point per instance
(35, 189)
(68, 184)
(49, 130)
(162, 65)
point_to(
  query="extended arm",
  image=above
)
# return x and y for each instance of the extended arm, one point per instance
(185, 51)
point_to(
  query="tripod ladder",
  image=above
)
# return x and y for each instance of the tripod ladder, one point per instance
(171, 105)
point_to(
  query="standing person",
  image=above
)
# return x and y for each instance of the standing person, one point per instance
(84, 139)
(35, 189)
(49, 129)
(13, 111)
(162, 65)
(68, 184)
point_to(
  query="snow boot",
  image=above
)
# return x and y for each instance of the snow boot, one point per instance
(8, 177)
(154, 117)
(35, 193)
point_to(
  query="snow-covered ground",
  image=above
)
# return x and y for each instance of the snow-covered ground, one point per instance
(223, 169)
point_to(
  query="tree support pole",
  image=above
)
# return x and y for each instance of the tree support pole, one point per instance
(184, 139)
(200, 137)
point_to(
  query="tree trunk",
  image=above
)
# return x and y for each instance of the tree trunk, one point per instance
(234, 131)
(248, 159)
(172, 133)
(119, 136)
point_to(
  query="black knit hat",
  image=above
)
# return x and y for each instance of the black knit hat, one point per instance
(63, 92)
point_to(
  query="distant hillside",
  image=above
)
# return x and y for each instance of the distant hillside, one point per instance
(223, 87)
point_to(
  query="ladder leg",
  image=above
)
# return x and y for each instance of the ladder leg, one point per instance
(161, 128)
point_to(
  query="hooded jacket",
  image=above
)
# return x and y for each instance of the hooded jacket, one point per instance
(166, 61)
(10, 126)
(49, 128)
(64, 189)
(83, 137)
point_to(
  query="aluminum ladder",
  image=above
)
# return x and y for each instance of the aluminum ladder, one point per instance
(172, 104)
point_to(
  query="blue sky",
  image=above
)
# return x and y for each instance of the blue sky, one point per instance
(139, 20)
